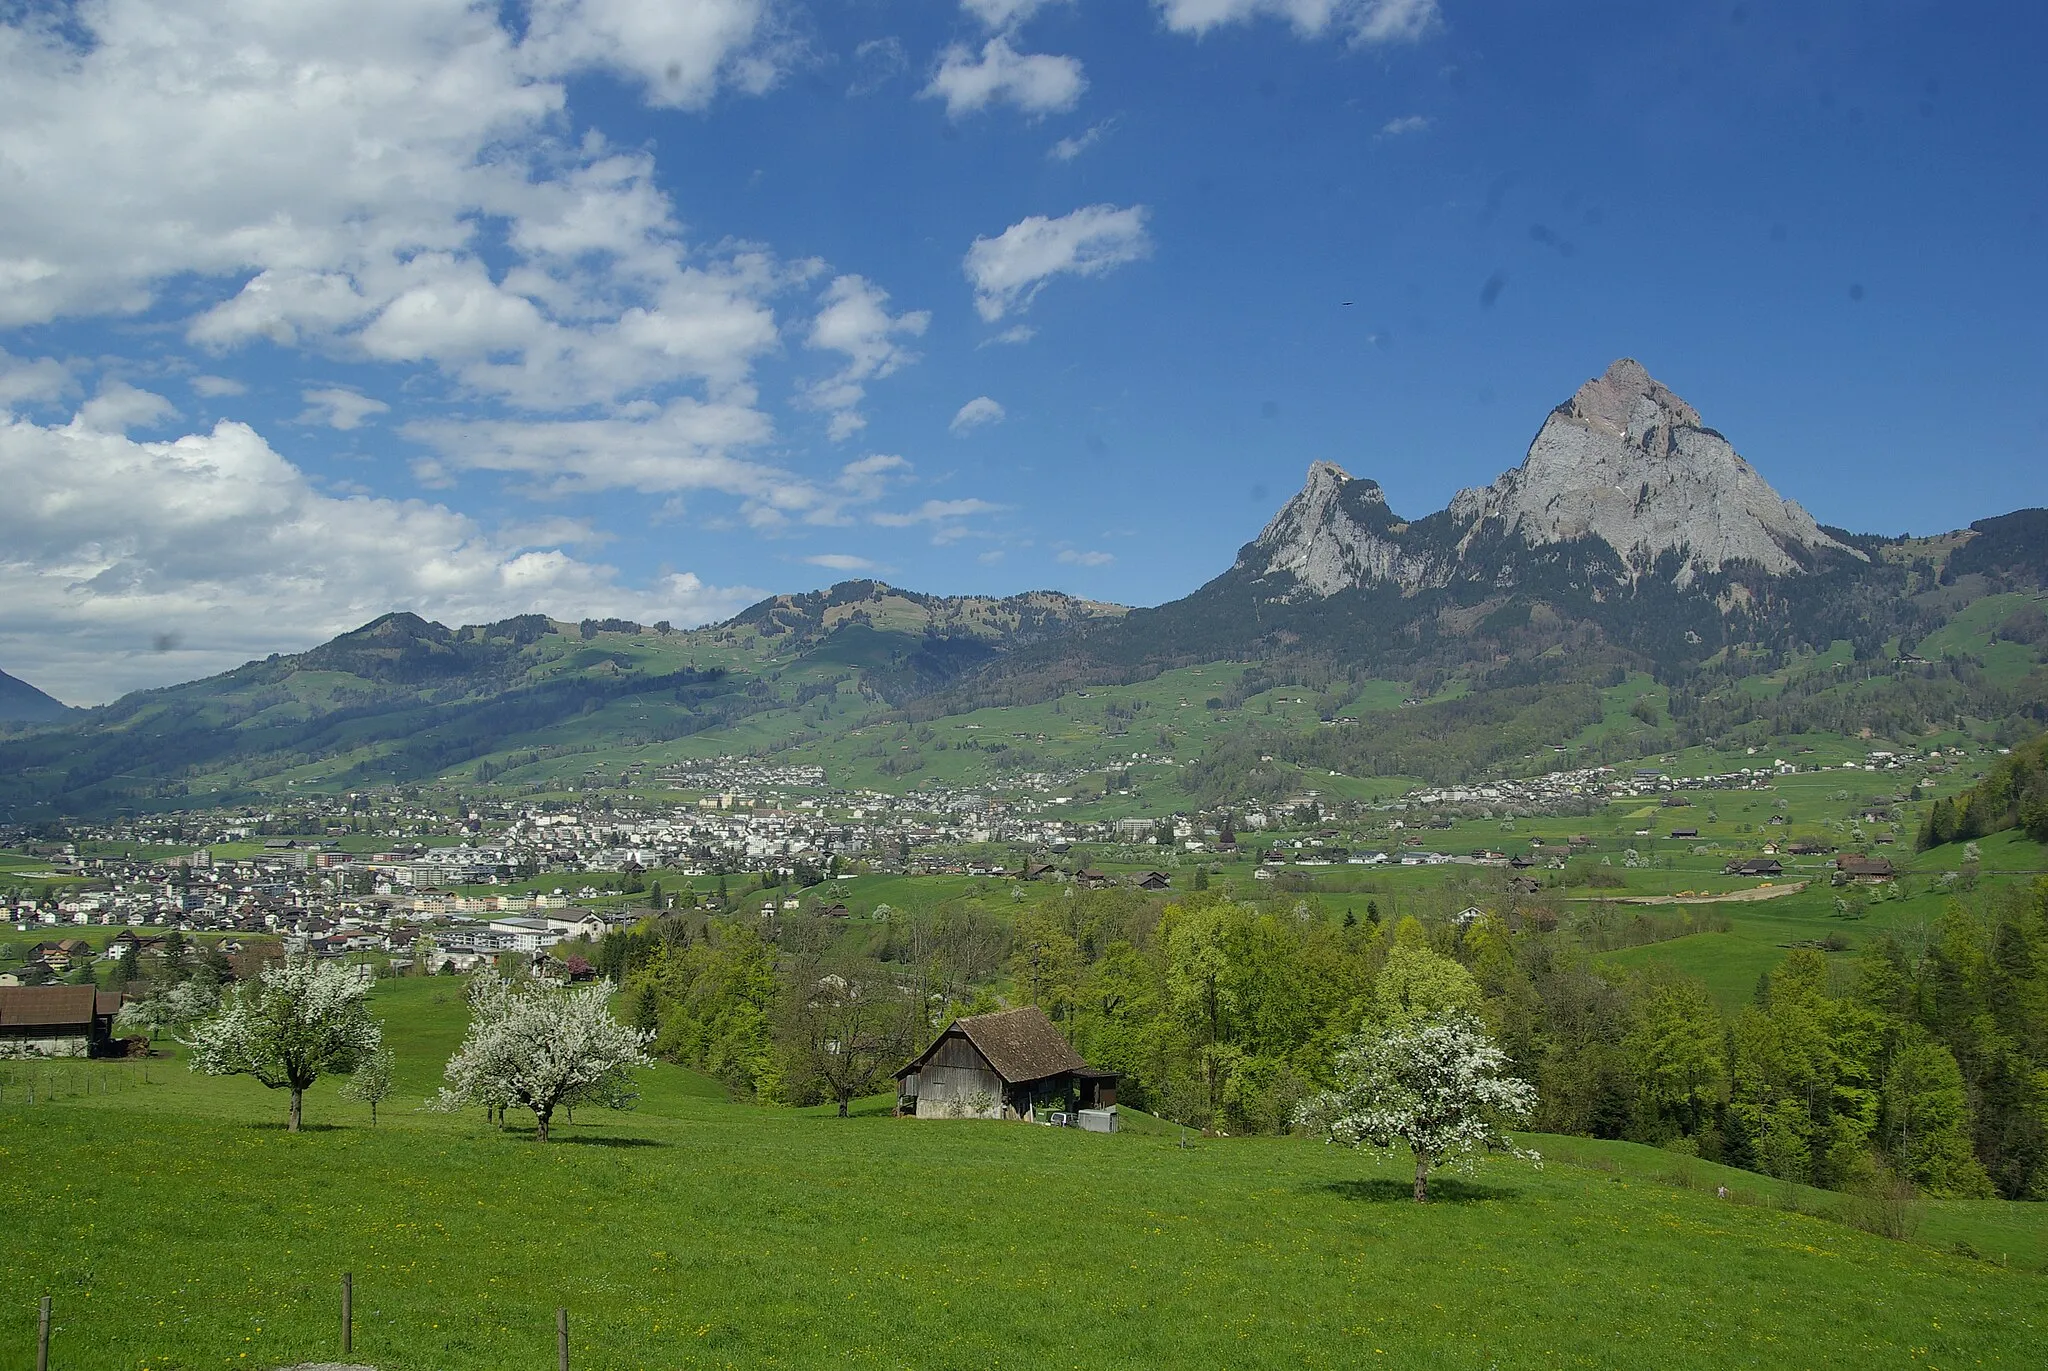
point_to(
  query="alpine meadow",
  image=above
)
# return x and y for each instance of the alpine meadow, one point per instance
(1464, 782)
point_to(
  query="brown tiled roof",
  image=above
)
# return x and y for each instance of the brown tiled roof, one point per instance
(39, 1005)
(1021, 1044)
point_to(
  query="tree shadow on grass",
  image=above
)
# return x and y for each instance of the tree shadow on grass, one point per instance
(1442, 1190)
(572, 1141)
(303, 1128)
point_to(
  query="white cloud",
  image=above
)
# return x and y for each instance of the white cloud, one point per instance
(338, 407)
(1071, 557)
(108, 546)
(935, 511)
(975, 413)
(349, 166)
(119, 407)
(1037, 83)
(841, 561)
(41, 380)
(867, 478)
(213, 387)
(1365, 21)
(875, 64)
(1007, 271)
(856, 323)
(1002, 15)
(680, 53)
(1407, 123)
(1015, 334)
(1067, 149)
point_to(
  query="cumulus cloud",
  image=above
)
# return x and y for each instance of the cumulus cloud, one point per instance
(38, 381)
(1407, 123)
(339, 407)
(855, 322)
(1073, 557)
(119, 407)
(1365, 22)
(1009, 270)
(213, 387)
(679, 54)
(350, 166)
(935, 512)
(867, 478)
(1037, 83)
(109, 546)
(974, 414)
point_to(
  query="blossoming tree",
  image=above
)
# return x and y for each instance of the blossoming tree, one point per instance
(542, 1046)
(301, 1021)
(1436, 1083)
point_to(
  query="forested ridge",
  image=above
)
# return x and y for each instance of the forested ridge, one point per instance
(2014, 794)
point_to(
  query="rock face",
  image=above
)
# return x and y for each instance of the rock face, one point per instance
(1631, 463)
(1337, 533)
(1624, 461)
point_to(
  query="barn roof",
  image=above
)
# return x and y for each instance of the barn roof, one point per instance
(47, 1005)
(1021, 1044)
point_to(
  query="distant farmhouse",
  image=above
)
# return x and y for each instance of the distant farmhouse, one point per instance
(57, 1021)
(1011, 1065)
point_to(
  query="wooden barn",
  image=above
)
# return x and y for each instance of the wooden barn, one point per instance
(1012, 1065)
(57, 1021)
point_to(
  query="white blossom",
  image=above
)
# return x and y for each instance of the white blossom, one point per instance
(304, 1020)
(542, 1046)
(1437, 1084)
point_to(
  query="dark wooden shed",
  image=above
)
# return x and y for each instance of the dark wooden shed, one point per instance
(1011, 1065)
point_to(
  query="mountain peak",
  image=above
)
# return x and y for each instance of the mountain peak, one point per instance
(1627, 461)
(1628, 402)
(1336, 532)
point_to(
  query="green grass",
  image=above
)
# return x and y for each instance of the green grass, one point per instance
(177, 1225)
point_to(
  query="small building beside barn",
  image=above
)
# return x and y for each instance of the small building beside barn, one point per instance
(1010, 1065)
(57, 1021)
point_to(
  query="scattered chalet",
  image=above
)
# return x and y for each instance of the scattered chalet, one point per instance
(1755, 866)
(1011, 1065)
(57, 1021)
(1859, 867)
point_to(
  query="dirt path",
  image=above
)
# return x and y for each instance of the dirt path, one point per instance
(1762, 892)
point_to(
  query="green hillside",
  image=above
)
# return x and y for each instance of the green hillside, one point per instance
(698, 1232)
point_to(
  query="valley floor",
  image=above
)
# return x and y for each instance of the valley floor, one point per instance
(176, 1224)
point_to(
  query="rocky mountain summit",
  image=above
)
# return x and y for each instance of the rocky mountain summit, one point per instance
(1628, 462)
(1625, 462)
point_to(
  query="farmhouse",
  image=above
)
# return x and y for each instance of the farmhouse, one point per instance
(1010, 1065)
(1153, 880)
(1857, 867)
(57, 1021)
(1755, 866)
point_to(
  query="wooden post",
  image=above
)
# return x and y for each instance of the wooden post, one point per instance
(348, 1312)
(561, 1339)
(43, 1335)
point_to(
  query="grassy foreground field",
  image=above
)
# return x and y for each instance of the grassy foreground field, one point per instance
(177, 1225)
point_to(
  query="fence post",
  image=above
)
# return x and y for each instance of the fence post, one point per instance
(561, 1339)
(43, 1335)
(348, 1312)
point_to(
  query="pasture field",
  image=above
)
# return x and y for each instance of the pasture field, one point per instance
(177, 1225)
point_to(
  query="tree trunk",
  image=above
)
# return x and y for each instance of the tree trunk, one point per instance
(1421, 1179)
(298, 1097)
(540, 1117)
(842, 1106)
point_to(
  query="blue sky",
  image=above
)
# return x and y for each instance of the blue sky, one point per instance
(318, 309)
